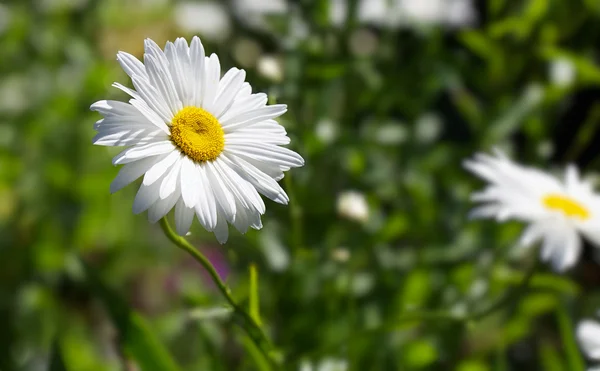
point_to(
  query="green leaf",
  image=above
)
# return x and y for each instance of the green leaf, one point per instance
(549, 357)
(567, 333)
(137, 338)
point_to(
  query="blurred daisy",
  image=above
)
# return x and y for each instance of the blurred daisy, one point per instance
(205, 144)
(588, 335)
(208, 18)
(353, 205)
(557, 211)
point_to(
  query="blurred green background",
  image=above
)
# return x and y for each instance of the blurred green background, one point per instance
(386, 98)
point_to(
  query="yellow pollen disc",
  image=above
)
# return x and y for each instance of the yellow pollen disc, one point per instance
(198, 134)
(566, 205)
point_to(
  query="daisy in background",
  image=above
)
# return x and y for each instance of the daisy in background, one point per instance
(588, 335)
(204, 143)
(557, 211)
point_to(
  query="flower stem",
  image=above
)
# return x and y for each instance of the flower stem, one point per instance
(241, 316)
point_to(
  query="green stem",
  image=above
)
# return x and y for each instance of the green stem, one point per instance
(244, 320)
(510, 296)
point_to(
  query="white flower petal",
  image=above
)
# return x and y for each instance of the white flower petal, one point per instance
(221, 227)
(229, 86)
(184, 216)
(562, 247)
(146, 197)
(532, 233)
(161, 207)
(588, 334)
(127, 136)
(206, 206)
(180, 67)
(153, 98)
(254, 116)
(171, 180)
(138, 152)
(267, 153)
(131, 65)
(212, 75)
(241, 136)
(197, 60)
(161, 80)
(150, 115)
(160, 168)
(261, 181)
(190, 182)
(132, 171)
(112, 108)
(223, 196)
(126, 90)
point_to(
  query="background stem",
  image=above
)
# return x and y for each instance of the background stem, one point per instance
(241, 316)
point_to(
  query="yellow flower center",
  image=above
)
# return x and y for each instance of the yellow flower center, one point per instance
(198, 134)
(566, 205)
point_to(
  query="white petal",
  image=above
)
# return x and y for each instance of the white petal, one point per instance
(126, 90)
(572, 177)
(221, 229)
(179, 64)
(588, 334)
(162, 207)
(132, 171)
(267, 153)
(242, 191)
(131, 65)
(228, 88)
(153, 98)
(242, 136)
(591, 231)
(244, 103)
(124, 123)
(109, 108)
(261, 181)
(161, 167)
(222, 195)
(211, 81)
(161, 80)
(562, 246)
(137, 152)
(150, 115)
(171, 180)
(127, 137)
(206, 206)
(273, 170)
(151, 48)
(146, 196)
(190, 182)
(184, 216)
(252, 117)
(532, 233)
(197, 60)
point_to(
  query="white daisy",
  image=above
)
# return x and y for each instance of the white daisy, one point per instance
(588, 335)
(205, 144)
(557, 211)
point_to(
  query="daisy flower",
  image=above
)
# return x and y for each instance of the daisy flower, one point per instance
(204, 144)
(557, 211)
